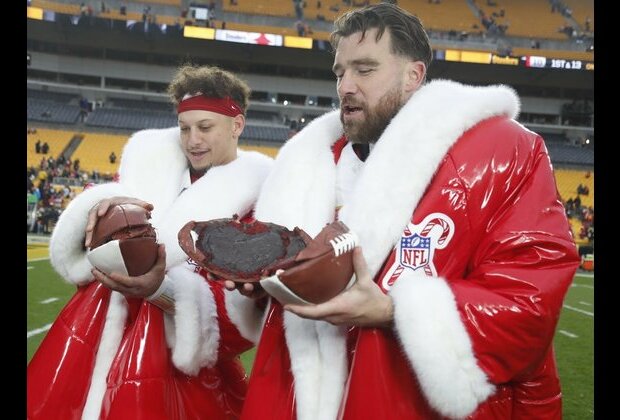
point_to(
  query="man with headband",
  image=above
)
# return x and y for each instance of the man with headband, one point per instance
(163, 345)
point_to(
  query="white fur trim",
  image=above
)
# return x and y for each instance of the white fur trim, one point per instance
(319, 384)
(67, 252)
(296, 193)
(332, 347)
(221, 192)
(437, 345)
(108, 346)
(152, 167)
(305, 364)
(245, 315)
(197, 333)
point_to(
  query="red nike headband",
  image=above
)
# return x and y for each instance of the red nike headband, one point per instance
(224, 106)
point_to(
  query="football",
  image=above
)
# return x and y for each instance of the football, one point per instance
(124, 241)
(290, 265)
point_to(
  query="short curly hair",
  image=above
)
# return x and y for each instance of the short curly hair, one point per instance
(409, 39)
(210, 81)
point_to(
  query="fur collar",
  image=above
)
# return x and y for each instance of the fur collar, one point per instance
(300, 190)
(153, 166)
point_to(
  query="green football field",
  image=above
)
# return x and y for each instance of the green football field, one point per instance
(574, 339)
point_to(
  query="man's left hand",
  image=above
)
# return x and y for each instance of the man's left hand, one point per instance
(363, 304)
(139, 286)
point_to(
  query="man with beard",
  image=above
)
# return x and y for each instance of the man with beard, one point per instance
(112, 352)
(464, 257)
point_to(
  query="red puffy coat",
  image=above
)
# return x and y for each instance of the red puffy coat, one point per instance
(459, 221)
(110, 357)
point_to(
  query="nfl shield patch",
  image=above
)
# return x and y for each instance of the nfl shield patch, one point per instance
(414, 251)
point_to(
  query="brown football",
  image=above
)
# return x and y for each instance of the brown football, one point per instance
(308, 270)
(126, 228)
(324, 268)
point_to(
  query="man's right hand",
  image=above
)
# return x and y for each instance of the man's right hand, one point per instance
(250, 290)
(99, 209)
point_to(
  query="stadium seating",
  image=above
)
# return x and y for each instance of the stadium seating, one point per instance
(46, 95)
(567, 181)
(582, 9)
(564, 154)
(265, 133)
(94, 151)
(57, 140)
(527, 18)
(58, 7)
(139, 104)
(177, 3)
(130, 119)
(444, 16)
(51, 111)
(267, 150)
(448, 15)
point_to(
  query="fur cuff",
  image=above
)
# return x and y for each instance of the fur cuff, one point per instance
(67, 252)
(196, 336)
(245, 315)
(319, 385)
(437, 345)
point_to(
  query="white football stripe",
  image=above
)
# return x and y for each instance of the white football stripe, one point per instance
(50, 300)
(39, 330)
(579, 310)
(568, 334)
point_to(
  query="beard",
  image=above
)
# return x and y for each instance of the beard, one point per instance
(377, 118)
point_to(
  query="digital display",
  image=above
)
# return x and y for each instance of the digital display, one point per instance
(556, 63)
(531, 61)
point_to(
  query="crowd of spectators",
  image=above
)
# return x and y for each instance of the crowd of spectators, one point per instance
(48, 198)
(585, 214)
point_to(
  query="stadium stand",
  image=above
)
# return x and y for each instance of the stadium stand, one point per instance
(581, 11)
(45, 95)
(569, 179)
(94, 151)
(580, 212)
(526, 18)
(57, 140)
(563, 154)
(53, 112)
(125, 103)
(270, 123)
(265, 133)
(130, 119)
(447, 15)
(176, 3)
(523, 21)
(267, 150)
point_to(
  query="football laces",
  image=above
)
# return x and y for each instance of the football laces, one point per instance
(344, 242)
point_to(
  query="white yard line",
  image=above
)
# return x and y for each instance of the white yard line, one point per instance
(585, 303)
(39, 330)
(579, 310)
(587, 286)
(568, 334)
(39, 259)
(30, 267)
(50, 300)
(588, 275)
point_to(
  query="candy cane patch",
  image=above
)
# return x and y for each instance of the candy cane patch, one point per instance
(416, 247)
